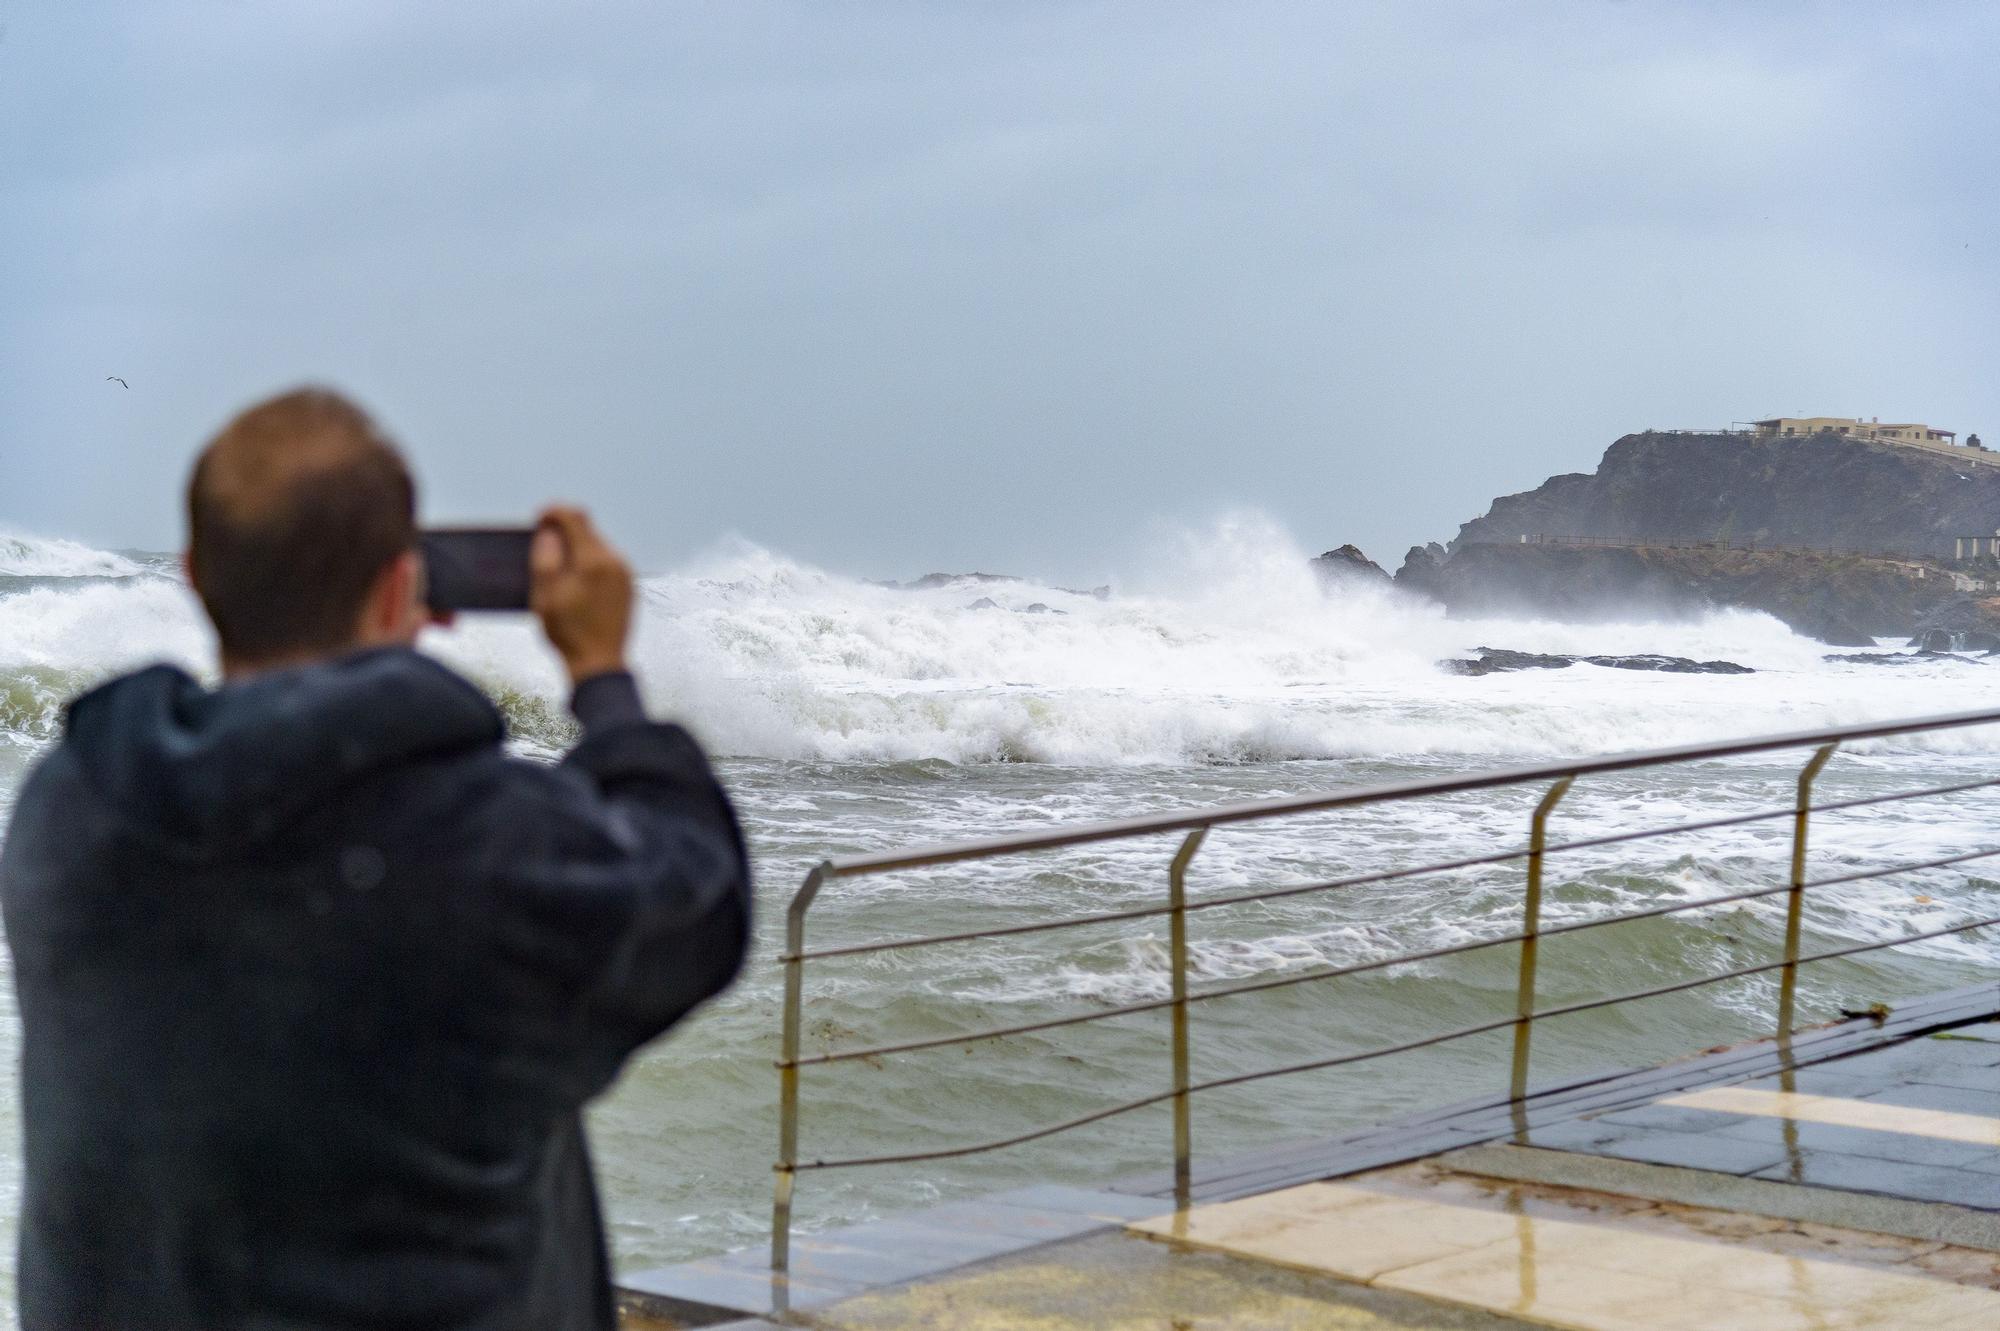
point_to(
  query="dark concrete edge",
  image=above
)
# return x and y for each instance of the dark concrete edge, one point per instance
(1431, 1132)
(683, 1312)
(729, 1287)
(802, 1296)
(1931, 1222)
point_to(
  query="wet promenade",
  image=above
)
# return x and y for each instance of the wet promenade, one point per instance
(1846, 1179)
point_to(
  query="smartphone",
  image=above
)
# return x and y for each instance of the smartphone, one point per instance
(477, 568)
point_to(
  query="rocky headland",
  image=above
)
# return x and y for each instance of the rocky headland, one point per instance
(1843, 540)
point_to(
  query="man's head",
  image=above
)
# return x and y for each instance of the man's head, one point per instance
(302, 533)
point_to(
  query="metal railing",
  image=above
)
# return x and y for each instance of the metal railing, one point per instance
(1194, 826)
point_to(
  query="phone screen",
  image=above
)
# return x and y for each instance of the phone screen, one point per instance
(477, 568)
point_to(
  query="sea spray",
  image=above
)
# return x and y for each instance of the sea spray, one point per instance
(25, 556)
(1220, 647)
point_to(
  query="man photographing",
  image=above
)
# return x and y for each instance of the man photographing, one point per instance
(315, 979)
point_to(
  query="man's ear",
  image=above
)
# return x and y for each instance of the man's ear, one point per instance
(392, 610)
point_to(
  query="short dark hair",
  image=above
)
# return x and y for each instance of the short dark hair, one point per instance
(294, 509)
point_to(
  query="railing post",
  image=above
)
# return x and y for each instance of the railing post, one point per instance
(1795, 900)
(788, 1083)
(1177, 946)
(1531, 929)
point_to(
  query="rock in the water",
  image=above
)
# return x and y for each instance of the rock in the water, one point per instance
(1347, 565)
(1421, 568)
(1825, 612)
(984, 603)
(1672, 665)
(1964, 623)
(1037, 608)
(1494, 660)
(932, 581)
(1893, 658)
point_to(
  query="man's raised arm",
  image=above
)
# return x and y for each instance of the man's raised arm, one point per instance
(649, 860)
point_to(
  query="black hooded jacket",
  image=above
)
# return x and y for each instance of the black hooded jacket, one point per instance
(314, 981)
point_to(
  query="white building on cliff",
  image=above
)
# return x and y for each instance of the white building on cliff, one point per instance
(1871, 429)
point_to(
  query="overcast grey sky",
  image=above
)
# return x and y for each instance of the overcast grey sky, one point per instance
(899, 286)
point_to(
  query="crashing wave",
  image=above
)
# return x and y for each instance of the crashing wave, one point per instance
(23, 556)
(1221, 648)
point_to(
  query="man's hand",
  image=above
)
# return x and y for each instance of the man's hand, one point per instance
(581, 590)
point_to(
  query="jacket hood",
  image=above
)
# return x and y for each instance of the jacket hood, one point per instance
(235, 765)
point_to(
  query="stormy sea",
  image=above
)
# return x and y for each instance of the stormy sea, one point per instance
(854, 715)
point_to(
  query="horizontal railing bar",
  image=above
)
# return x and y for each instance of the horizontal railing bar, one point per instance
(1866, 875)
(1457, 949)
(1592, 1004)
(1764, 815)
(995, 1033)
(1362, 880)
(949, 1152)
(1131, 1105)
(1410, 1046)
(1362, 967)
(1146, 912)
(1117, 829)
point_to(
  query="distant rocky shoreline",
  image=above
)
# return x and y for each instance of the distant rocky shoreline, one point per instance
(1673, 525)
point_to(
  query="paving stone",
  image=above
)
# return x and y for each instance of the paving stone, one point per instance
(1967, 1266)
(1733, 1225)
(981, 1216)
(1911, 1059)
(1984, 1077)
(1854, 1173)
(1956, 1099)
(695, 1291)
(1671, 1118)
(1902, 1147)
(1581, 1134)
(1711, 1151)
(1818, 1081)
(882, 1253)
(1835, 1243)
(920, 1233)
(1981, 1044)
(1083, 1201)
(1438, 1183)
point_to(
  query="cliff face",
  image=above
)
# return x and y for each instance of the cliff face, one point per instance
(1812, 491)
(1817, 490)
(1840, 600)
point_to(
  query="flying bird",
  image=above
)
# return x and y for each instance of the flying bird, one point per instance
(112, 378)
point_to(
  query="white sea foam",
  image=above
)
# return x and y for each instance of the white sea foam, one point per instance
(52, 557)
(96, 629)
(1220, 646)
(1227, 650)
